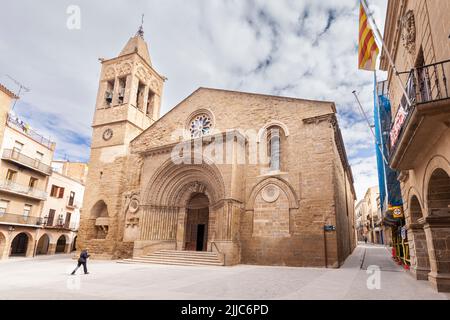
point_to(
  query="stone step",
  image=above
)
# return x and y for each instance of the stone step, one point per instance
(169, 262)
(187, 252)
(170, 254)
(177, 258)
(174, 257)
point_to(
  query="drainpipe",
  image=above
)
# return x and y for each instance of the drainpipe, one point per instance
(325, 246)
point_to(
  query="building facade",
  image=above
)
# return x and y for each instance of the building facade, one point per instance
(360, 221)
(195, 180)
(369, 219)
(417, 35)
(73, 170)
(26, 180)
(61, 210)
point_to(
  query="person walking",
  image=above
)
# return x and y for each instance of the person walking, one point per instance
(365, 239)
(84, 255)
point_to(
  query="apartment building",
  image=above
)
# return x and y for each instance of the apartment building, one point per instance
(417, 35)
(30, 189)
(61, 210)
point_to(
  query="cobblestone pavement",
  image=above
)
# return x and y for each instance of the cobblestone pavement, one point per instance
(48, 278)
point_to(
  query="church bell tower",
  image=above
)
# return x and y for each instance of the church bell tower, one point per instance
(128, 102)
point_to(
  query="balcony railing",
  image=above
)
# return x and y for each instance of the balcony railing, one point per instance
(10, 186)
(16, 123)
(430, 83)
(36, 164)
(20, 219)
(73, 205)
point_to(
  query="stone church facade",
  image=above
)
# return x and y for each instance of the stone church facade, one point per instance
(259, 179)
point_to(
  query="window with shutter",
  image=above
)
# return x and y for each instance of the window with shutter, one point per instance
(61, 193)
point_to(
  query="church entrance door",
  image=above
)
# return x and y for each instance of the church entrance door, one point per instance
(196, 234)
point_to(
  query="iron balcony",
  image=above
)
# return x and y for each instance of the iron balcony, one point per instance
(18, 219)
(22, 190)
(415, 130)
(23, 160)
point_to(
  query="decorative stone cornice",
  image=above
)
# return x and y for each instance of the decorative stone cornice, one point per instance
(317, 119)
(438, 222)
(206, 140)
(415, 226)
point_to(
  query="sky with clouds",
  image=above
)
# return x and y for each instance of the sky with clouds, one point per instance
(297, 48)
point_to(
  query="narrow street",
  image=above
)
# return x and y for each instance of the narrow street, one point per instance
(48, 278)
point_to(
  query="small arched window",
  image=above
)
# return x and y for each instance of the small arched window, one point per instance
(275, 147)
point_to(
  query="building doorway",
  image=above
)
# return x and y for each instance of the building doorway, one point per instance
(61, 245)
(196, 235)
(74, 245)
(2, 244)
(43, 245)
(19, 245)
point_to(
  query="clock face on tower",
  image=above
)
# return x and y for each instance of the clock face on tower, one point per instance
(107, 135)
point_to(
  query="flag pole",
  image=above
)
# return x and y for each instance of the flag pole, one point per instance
(386, 50)
(370, 126)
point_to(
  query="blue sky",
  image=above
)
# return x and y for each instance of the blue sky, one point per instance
(302, 48)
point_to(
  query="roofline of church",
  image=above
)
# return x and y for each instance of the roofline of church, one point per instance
(333, 105)
(269, 96)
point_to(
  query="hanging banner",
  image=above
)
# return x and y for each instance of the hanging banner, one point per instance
(398, 125)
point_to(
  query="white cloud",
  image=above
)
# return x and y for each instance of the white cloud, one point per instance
(295, 48)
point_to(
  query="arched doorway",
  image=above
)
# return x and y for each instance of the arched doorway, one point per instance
(61, 244)
(420, 261)
(43, 245)
(19, 245)
(2, 245)
(196, 232)
(74, 245)
(99, 213)
(438, 228)
(439, 194)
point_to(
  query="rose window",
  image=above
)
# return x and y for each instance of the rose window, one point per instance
(200, 126)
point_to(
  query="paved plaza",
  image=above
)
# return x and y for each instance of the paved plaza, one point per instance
(48, 277)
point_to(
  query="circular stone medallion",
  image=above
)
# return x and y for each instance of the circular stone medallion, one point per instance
(271, 193)
(134, 205)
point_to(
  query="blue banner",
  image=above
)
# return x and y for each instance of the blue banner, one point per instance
(390, 192)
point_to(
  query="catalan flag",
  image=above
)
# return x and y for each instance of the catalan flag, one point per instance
(368, 49)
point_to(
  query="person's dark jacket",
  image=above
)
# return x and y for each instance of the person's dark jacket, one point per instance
(83, 256)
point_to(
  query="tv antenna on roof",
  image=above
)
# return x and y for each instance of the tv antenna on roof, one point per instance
(21, 87)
